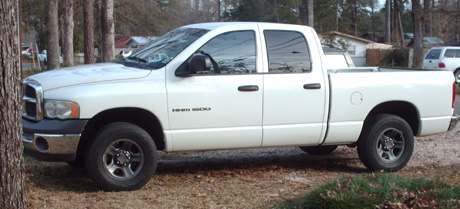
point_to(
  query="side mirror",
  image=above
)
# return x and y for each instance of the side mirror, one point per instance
(195, 64)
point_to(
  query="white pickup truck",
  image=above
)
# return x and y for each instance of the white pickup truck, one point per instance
(228, 86)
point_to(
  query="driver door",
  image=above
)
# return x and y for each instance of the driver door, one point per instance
(220, 108)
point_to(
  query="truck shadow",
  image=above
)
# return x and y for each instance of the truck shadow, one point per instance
(292, 159)
(63, 177)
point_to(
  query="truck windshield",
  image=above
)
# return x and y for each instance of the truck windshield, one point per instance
(164, 49)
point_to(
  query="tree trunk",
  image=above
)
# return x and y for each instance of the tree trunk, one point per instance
(88, 31)
(388, 21)
(418, 35)
(373, 21)
(67, 36)
(396, 30)
(427, 18)
(219, 4)
(108, 31)
(12, 187)
(355, 18)
(306, 13)
(52, 34)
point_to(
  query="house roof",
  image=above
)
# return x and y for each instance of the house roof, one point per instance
(429, 42)
(351, 37)
(120, 43)
(141, 40)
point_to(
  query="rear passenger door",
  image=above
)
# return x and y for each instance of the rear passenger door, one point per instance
(294, 89)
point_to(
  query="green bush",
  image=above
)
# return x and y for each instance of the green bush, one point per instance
(380, 191)
(397, 58)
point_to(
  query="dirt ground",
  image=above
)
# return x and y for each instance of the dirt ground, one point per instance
(252, 178)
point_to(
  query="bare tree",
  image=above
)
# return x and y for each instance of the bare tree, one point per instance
(67, 36)
(108, 31)
(52, 34)
(12, 192)
(88, 31)
(427, 17)
(398, 36)
(306, 13)
(388, 21)
(418, 34)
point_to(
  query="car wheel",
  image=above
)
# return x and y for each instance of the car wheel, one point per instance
(457, 75)
(122, 157)
(319, 150)
(386, 143)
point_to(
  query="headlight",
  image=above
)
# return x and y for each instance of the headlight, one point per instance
(61, 109)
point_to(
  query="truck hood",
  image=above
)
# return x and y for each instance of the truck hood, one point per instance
(85, 74)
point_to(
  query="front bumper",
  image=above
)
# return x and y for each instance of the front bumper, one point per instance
(52, 140)
(454, 121)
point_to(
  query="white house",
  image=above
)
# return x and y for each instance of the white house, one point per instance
(138, 42)
(355, 46)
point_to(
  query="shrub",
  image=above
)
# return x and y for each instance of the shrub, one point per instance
(380, 191)
(399, 57)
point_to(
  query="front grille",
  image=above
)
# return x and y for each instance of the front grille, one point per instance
(32, 100)
(31, 109)
(30, 92)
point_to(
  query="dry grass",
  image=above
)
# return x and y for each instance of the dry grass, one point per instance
(237, 179)
(257, 178)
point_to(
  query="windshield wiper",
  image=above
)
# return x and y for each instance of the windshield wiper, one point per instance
(137, 59)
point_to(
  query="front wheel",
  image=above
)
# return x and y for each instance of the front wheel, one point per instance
(122, 157)
(387, 143)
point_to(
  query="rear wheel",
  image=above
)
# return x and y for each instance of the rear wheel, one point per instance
(456, 75)
(122, 157)
(387, 143)
(319, 150)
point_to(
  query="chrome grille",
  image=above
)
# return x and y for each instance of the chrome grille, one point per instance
(32, 100)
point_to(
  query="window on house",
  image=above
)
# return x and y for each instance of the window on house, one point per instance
(352, 50)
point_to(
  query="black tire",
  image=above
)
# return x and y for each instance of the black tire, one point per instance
(122, 157)
(386, 143)
(457, 75)
(319, 150)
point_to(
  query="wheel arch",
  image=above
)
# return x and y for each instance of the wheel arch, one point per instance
(140, 117)
(403, 109)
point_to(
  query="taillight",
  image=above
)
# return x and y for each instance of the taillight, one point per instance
(441, 65)
(453, 95)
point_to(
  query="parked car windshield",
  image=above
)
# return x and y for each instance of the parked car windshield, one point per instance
(164, 49)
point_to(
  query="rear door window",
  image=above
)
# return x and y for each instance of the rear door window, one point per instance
(457, 53)
(450, 53)
(287, 52)
(433, 54)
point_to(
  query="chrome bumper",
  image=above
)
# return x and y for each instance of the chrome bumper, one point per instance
(52, 143)
(51, 147)
(52, 140)
(454, 121)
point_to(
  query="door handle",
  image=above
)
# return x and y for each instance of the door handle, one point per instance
(248, 88)
(312, 86)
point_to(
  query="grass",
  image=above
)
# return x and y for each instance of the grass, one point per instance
(380, 191)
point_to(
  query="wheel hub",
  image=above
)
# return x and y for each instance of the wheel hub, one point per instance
(388, 144)
(123, 158)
